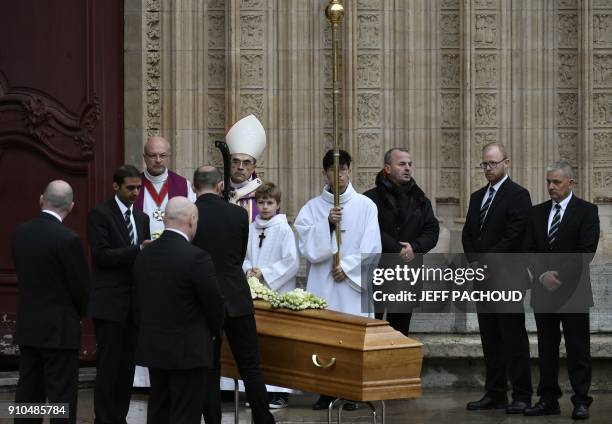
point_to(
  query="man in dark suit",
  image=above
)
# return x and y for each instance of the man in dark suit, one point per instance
(53, 282)
(565, 231)
(495, 223)
(117, 233)
(179, 314)
(223, 231)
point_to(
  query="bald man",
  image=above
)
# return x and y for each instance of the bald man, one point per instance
(53, 282)
(179, 304)
(159, 184)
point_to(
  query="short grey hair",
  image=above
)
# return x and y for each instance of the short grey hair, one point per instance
(58, 195)
(562, 165)
(388, 153)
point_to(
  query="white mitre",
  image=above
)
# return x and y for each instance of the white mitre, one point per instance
(248, 137)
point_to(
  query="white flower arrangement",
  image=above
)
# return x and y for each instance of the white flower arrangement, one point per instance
(296, 300)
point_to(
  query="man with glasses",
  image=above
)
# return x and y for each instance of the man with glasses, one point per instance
(495, 223)
(246, 141)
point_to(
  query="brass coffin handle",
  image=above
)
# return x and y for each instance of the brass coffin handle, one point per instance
(315, 361)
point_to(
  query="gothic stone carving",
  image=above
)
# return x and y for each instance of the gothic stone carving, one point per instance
(568, 147)
(365, 180)
(450, 109)
(602, 109)
(369, 110)
(216, 70)
(449, 4)
(369, 4)
(449, 29)
(602, 30)
(567, 30)
(369, 35)
(368, 70)
(216, 110)
(252, 4)
(216, 4)
(213, 154)
(566, 4)
(153, 79)
(602, 70)
(450, 182)
(486, 69)
(153, 5)
(567, 109)
(153, 110)
(486, 109)
(216, 31)
(567, 70)
(153, 31)
(481, 138)
(251, 70)
(602, 148)
(449, 70)
(602, 181)
(252, 103)
(486, 30)
(486, 4)
(450, 156)
(370, 149)
(251, 31)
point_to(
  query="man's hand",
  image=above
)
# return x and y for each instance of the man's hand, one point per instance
(550, 280)
(335, 215)
(407, 254)
(254, 272)
(145, 243)
(338, 274)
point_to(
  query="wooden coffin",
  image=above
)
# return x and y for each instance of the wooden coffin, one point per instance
(333, 353)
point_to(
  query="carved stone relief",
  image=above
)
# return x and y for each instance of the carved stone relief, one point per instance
(213, 154)
(602, 30)
(153, 30)
(216, 110)
(567, 30)
(251, 31)
(368, 70)
(567, 70)
(450, 182)
(602, 70)
(369, 110)
(153, 110)
(486, 69)
(449, 29)
(328, 69)
(450, 109)
(365, 180)
(450, 149)
(216, 4)
(252, 4)
(153, 5)
(252, 70)
(216, 31)
(369, 4)
(566, 4)
(601, 4)
(481, 138)
(153, 67)
(602, 181)
(568, 147)
(486, 4)
(216, 70)
(485, 109)
(485, 30)
(567, 108)
(252, 103)
(449, 70)
(602, 148)
(449, 4)
(369, 146)
(602, 109)
(369, 35)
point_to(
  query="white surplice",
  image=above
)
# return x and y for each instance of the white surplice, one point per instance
(277, 258)
(360, 235)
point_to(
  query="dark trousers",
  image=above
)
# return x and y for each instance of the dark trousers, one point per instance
(48, 374)
(505, 348)
(578, 347)
(115, 342)
(399, 322)
(241, 334)
(176, 396)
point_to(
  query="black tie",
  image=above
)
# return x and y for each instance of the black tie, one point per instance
(485, 208)
(130, 228)
(554, 226)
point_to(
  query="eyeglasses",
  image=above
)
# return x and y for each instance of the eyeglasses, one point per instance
(162, 156)
(244, 163)
(491, 164)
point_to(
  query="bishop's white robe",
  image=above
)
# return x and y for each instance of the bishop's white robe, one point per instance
(277, 258)
(360, 234)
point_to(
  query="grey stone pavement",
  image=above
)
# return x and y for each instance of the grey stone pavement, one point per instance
(435, 407)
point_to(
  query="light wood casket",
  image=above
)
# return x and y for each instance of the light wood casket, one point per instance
(358, 358)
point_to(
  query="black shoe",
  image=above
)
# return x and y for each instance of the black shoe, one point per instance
(350, 406)
(543, 408)
(581, 412)
(322, 403)
(487, 402)
(278, 400)
(517, 407)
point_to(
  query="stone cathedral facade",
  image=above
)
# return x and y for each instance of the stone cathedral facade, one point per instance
(439, 77)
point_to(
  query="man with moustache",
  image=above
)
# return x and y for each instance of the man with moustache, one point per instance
(564, 233)
(117, 233)
(405, 217)
(495, 223)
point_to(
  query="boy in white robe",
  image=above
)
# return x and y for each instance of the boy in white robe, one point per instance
(272, 257)
(316, 224)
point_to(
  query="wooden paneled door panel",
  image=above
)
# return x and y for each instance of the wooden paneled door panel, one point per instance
(61, 117)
